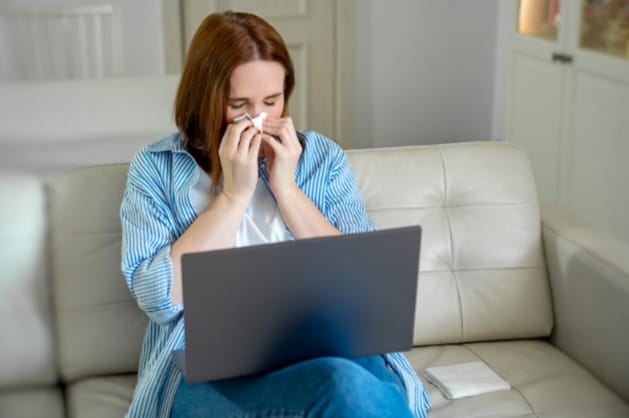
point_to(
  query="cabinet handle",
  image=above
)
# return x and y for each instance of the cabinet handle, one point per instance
(562, 58)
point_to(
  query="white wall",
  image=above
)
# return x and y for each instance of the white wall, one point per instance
(505, 26)
(6, 70)
(426, 71)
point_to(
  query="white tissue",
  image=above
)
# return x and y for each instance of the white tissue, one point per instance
(258, 121)
(465, 379)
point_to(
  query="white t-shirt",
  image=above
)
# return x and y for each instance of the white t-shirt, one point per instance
(262, 223)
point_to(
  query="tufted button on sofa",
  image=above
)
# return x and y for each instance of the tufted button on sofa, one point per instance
(539, 297)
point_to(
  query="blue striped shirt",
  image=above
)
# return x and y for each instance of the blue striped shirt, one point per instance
(156, 210)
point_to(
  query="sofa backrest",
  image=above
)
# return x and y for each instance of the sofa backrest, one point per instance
(99, 326)
(27, 345)
(482, 272)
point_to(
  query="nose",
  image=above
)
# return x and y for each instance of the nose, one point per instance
(255, 109)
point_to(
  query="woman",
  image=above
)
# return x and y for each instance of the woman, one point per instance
(223, 182)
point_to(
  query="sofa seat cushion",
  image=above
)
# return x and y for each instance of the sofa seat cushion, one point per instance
(544, 382)
(32, 402)
(102, 397)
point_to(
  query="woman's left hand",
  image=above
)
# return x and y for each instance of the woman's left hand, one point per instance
(282, 150)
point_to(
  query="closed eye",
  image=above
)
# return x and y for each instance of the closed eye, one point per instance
(236, 106)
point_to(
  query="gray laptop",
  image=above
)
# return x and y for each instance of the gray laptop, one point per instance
(253, 309)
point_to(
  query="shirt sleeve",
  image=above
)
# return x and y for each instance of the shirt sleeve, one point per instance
(146, 243)
(418, 398)
(344, 203)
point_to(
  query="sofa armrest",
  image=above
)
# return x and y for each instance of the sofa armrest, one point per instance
(589, 278)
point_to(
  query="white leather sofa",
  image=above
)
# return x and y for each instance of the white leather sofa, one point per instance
(540, 298)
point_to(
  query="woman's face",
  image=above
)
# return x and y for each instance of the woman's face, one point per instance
(256, 86)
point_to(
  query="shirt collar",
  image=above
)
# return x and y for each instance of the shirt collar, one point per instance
(174, 143)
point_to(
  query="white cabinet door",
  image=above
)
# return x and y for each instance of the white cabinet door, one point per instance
(536, 92)
(535, 117)
(596, 174)
(308, 28)
(569, 107)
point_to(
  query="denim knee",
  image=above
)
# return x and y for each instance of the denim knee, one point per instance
(352, 391)
(338, 371)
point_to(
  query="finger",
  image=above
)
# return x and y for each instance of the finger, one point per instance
(254, 147)
(273, 143)
(279, 122)
(285, 134)
(283, 129)
(278, 130)
(240, 126)
(274, 127)
(243, 145)
(231, 137)
(274, 134)
(245, 140)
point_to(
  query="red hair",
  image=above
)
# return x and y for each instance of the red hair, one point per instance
(223, 42)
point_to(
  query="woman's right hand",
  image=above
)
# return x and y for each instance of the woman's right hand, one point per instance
(238, 152)
(218, 225)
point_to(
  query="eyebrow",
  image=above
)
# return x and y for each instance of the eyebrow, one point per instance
(246, 99)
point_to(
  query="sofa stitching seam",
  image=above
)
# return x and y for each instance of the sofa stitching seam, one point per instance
(484, 269)
(515, 388)
(444, 207)
(452, 261)
(96, 305)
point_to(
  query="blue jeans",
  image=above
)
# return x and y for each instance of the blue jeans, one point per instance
(321, 387)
